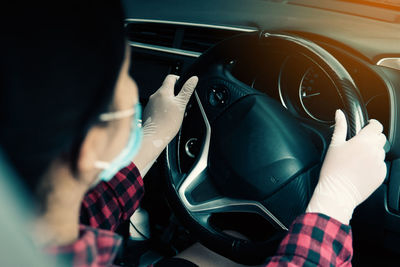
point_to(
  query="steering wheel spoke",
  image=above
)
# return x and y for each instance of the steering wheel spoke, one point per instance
(202, 199)
(200, 196)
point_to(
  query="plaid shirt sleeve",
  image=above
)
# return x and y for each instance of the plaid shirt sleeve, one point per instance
(315, 240)
(95, 247)
(110, 203)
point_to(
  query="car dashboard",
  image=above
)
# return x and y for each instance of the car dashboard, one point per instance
(168, 36)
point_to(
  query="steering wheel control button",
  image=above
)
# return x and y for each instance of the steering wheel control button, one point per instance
(192, 147)
(218, 95)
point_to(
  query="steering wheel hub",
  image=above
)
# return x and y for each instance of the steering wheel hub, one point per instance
(256, 148)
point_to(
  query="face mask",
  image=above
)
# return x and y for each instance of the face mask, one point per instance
(126, 155)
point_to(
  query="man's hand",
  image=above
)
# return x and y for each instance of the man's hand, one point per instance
(162, 119)
(351, 172)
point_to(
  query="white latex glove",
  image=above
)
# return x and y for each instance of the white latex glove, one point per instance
(351, 172)
(162, 119)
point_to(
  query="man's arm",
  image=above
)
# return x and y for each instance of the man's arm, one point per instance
(110, 203)
(315, 239)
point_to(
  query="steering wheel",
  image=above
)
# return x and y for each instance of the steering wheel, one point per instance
(254, 157)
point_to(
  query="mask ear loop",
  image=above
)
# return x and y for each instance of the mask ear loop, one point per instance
(127, 154)
(110, 116)
(101, 165)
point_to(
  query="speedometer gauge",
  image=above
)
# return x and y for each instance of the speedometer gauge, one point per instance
(318, 95)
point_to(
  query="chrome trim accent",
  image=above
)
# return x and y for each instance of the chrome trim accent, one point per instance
(213, 26)
(201, 163)
(390, 62)
(164, 49)
(195, 177)
(282, 67)
(394, 63)
(187, 150)
(393, 107)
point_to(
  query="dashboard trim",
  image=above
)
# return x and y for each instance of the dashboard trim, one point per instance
(181, 23)
(164, 49)
(390, 62)
(390, 88)
(393, 63)
(177, 51)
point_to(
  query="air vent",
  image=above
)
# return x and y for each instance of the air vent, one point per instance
(199, 39)
(151, 33)
(182, 38)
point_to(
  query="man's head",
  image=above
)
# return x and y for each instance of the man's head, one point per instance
(58, 73)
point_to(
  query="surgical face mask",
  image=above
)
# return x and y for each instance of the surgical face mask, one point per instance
(110, 169)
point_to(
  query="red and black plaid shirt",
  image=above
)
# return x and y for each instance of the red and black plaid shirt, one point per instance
(109, 204)
(105, 206)
(313, 239)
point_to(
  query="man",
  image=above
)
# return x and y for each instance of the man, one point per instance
(67, 108)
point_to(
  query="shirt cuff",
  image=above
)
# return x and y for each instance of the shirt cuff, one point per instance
(130, 172)
(319, 239)
(94, 247)
(129, 189)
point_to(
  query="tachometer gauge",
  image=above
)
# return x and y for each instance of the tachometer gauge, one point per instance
(318, 95)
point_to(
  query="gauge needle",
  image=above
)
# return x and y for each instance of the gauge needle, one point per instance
(310, 95)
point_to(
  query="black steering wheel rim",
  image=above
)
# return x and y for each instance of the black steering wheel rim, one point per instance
(240, 250)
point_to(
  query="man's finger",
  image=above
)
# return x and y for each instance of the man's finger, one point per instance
(382, 140)
(381, 154)
(187, 89)
(374, 127)
(169, 83)
(340, 132)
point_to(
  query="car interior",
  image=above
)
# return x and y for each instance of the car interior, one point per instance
(271, 73)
